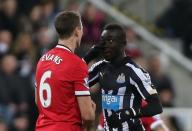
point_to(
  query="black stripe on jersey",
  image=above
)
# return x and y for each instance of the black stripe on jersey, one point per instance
(139, 82)
(120, 128)
(115, 92)
(93, 81)
(126, 99)
(137, 102)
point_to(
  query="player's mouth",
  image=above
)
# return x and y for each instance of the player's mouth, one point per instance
(108, 52)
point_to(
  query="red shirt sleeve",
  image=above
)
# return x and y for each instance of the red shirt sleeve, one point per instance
(80, 77)
(150, 122)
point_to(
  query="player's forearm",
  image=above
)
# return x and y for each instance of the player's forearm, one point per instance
(89, 117)
(153, 107)
(87, 109)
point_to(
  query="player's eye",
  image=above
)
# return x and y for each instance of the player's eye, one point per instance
(108, 41)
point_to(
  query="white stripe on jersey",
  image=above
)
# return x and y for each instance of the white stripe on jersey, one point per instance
(95, 65)
(131, 101)
(125, 126)
(121, 92)
(95, 77)
(146, 80)
(81, 93)
(134, 113)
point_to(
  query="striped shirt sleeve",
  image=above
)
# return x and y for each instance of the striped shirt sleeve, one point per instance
(94, 73)
(141, 80)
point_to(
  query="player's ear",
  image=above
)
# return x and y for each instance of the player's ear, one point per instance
(75, 33)
(78, 31)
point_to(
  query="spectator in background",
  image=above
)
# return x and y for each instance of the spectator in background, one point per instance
(161, 81)
(26, 53)
(8, 16)
(48, 11)
(20, 122)
(93, 23)
(176, 21)
(25, 6)
(44, 39)
(3, 126)
(35, 16)
(132, 48)
(24, 28)
(71, 5)
(5, 42)
(12, 94)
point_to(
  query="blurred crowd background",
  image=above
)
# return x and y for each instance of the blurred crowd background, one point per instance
(26, 32)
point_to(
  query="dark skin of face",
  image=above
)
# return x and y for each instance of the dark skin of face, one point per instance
(114, 48)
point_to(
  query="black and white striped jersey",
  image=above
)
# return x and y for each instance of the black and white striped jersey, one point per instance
(124, 85)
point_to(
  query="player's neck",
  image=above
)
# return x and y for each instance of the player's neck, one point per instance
(118, 58)
(70, 43)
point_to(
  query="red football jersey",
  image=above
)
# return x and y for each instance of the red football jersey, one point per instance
(152, 122)
(61, 76)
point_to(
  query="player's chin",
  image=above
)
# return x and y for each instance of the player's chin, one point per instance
(107, 57)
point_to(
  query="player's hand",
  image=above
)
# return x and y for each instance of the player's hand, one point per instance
(113, 120)
(94, 52)
(126, 114)
(86, 129)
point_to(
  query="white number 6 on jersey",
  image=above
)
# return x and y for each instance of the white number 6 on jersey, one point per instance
(45, 87)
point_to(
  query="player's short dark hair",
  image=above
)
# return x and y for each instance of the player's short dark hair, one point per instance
(66, 22)
(120, 32)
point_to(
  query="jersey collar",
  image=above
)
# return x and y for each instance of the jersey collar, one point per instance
(63, 47)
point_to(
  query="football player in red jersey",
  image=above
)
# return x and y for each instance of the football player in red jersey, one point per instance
(62, 94)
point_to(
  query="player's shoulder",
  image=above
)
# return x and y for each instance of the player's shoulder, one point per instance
(129, 62)
(72, 58)
(78, 62)
(133, 65)
(97, 65)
